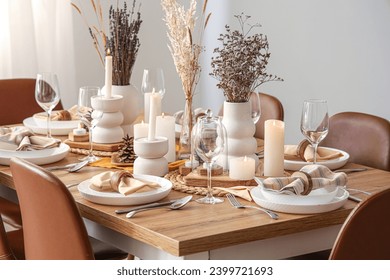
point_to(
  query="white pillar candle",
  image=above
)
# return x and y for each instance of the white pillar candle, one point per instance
(152, 117)
(108, 76)
(242, 168)
(141, 130)
(165, 126)
(274, 148)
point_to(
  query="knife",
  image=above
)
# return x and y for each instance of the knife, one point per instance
(150, 205)
(354, 198)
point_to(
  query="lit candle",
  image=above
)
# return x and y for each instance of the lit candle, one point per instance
(147, 104)
(141, 130)
(242, 168)
(165, 126)
(108, 75)
(79, 130)
(273, 148)
(152, 117)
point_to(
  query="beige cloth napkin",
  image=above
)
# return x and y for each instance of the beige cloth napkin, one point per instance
(20, 138)
(122, 182)
(240, 191)
(62, 115)
(305, 180)
(305, 152)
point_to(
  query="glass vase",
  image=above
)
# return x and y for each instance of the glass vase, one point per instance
(185, 145)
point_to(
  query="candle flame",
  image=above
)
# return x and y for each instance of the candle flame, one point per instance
(162, 115)
(245, 158)
(108, 52)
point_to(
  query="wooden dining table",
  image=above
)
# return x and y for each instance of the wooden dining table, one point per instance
(199, 231)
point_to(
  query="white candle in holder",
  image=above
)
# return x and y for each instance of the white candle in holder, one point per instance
(273, 148)
(152, 117)
(108, 76)
(141, 130)
(242, 168)
(165, 126)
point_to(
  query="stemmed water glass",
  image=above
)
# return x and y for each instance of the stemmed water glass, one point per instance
(315, 122)
(209, 144)
(88, 115)
(47, 95)
(254, 99)
(152, 83)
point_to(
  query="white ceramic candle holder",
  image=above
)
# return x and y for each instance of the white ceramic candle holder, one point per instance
(151, 160)
(108, 129)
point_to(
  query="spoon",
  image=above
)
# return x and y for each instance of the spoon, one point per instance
(174, 206)
(78, 166)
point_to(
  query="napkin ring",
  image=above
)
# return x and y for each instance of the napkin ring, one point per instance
(302, 148)
(308, 182)
(117, 177)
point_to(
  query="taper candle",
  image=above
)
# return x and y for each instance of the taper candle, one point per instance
(152, 117)
(108, 75)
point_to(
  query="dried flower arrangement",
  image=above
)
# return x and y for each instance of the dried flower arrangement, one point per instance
(240, 66)
(122, 42)
(185, 52)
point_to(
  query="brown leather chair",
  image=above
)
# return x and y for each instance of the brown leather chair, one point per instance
(5, 249)
(365, 137)
(365, 233)
(17, 100)
(271, 108)
(52, 225)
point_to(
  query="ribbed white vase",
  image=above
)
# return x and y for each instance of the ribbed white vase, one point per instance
(240, 131)
(132, 104)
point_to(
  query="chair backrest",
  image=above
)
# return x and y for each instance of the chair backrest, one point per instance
(5, 250)
(365, 233)
(52, 225)
(17, 100)
(365, 137)
(271, 108)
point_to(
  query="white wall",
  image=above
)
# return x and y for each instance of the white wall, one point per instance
(336, 50)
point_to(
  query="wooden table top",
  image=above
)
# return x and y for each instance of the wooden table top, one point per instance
(198, 227)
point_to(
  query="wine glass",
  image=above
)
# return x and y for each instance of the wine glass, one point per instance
(47, 95)
(152, 83)
(315, 122)
(88, 115)
(209, 144)
(254, 99)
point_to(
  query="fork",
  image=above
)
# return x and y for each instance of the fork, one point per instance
(233, 201)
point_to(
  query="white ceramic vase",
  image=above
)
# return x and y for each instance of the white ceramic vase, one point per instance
(240, 132)
(132, 104)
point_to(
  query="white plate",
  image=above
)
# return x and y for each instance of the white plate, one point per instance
(331, 164)
(39, 157)
(64, 129)
(299, 208)
(114, 198)
(42, 121)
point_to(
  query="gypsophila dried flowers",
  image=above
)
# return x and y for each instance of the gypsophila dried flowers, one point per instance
(240, 64)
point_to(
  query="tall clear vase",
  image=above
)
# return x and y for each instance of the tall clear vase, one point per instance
(185, 147)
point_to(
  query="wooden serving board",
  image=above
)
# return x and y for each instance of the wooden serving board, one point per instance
(196, 180)
(112, 147)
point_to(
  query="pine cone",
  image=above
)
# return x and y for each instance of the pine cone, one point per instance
(126, 150)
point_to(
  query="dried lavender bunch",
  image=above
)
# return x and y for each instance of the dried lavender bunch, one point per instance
(123, 42)
(240, 64)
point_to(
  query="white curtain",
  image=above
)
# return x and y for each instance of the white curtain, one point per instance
(37, 36)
